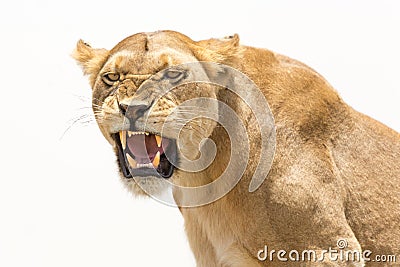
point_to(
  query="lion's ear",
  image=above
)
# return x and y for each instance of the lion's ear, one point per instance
(90, 59)
(218, 50)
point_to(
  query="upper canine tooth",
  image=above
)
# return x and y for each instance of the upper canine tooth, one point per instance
(156, 160)
(122, 137)
(158, 140)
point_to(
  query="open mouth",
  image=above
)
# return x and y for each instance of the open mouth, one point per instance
(144, 154)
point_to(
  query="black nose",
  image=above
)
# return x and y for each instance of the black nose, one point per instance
(122, 108)
(133, 111)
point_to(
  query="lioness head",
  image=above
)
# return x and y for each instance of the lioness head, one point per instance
(149, 134)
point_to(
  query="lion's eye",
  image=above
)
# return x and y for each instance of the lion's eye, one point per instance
(110, 78)
(173, 74)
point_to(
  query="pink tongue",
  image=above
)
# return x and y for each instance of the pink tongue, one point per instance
(144, 147)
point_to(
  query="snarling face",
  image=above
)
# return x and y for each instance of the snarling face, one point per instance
(145, 109)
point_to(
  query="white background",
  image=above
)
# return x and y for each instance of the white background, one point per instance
(61, 202)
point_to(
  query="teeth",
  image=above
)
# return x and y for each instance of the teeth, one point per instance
(135, 133)
(156, 160)
(148, 165)
(134, 164)
(131, 161)
(122, 137)
(158, 140)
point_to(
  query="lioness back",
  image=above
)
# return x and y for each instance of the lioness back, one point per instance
(365, 153)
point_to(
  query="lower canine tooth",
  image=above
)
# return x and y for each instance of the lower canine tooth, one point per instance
(131, 161)
(156, 160)
(122, 137)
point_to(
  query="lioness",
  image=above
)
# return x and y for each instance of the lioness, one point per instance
(335, 174)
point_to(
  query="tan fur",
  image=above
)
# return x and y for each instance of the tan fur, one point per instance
(335, 175)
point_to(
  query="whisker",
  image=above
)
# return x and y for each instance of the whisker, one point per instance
(81, 98)
(84, 120)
